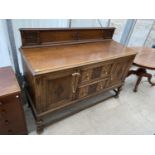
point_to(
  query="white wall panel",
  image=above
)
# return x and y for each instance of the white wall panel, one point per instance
(85, 23)
(140, 32)
(104, 22)
(151, 37)
(89, 22)
(119, 24)
(4, 45)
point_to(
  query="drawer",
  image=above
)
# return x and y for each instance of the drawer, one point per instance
(6, 127)
(8, 105)
(95, 72)
(11, 115)
(93, 88)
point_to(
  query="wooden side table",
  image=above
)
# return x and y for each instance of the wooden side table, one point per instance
(145, 59)
(12, 119)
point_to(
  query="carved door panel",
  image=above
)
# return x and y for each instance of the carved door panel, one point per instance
(118, 71)
(60, 90)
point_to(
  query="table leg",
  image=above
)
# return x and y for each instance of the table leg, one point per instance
(132, 72)
(141, 72)
(137, 83)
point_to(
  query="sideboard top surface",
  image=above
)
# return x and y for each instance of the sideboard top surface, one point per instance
(53, 58)
(8, 82)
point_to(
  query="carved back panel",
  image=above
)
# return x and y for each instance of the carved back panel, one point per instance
(44, 37)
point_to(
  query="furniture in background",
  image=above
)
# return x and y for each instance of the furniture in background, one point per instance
(145, 59)
(65, 68)
(153, 46)
(12, 119)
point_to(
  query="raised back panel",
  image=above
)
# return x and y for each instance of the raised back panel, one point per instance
(42, 37)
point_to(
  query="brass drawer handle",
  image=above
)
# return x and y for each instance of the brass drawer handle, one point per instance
(76, 74)
(75, 81)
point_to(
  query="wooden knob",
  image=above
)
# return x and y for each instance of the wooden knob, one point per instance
(6, 121)
(10, 131)
(3, 111)
(1, 103)
(17, 96)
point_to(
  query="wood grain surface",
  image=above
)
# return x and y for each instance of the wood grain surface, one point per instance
(8, 82)
(49, 59)
(145, 57)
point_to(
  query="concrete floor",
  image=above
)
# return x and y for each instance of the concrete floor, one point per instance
(132, 113)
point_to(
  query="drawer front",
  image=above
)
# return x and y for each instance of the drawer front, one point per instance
(95, 72)
(5, 128)
(98, 77)
(93, 88)
(11, 116)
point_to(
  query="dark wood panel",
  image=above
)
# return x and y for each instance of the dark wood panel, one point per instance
(96, 73)
(13, 118)
(31, 37)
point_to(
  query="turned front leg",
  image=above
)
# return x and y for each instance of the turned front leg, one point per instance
(117, 91)
(40, 126)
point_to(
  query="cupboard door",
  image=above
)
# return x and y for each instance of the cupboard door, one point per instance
(60, 89)
(118, 72)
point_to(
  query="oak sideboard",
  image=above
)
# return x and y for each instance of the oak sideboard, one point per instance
(64, 69)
